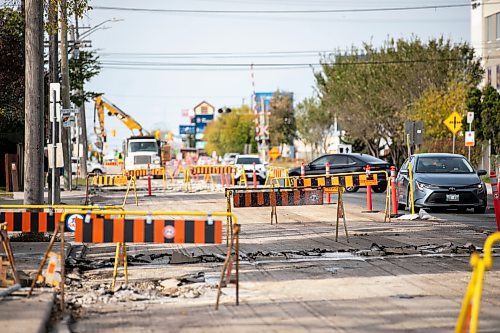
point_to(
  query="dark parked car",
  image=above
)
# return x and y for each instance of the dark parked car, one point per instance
(441, 181)
(342, 163)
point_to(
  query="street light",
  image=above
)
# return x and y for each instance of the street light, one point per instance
(98, 26)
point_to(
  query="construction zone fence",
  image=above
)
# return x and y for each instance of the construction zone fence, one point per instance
(99, 181)
(146, 227)
(210, 174)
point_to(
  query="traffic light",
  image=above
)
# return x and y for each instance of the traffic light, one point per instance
(224, 110)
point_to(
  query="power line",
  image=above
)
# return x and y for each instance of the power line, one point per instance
(304, 11)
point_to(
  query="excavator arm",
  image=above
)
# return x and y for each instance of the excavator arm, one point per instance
(113, 110)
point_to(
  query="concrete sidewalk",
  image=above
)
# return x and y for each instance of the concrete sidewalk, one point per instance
(19, 314)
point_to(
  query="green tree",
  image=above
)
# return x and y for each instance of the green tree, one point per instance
(282, 125)
(373, 89)
(490, 117)
(11, 76)
(81, 70)
(313, 124)
(231, 131)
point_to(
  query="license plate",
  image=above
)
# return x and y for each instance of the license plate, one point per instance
(452, 197)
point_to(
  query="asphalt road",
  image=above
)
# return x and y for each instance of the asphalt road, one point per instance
(485, 221)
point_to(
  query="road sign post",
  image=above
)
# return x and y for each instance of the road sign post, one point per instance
(454, 124)
(469, 136)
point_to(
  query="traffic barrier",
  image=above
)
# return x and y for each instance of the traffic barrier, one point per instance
(274, 174)
(94, 229)
(393, 191)
(113, 163)
(91, 227)
(468, 318)
(331, 183)
(496, 197)
(344, 180)
(40, 221)
(224, 172)
(283, 196)
(149, 181)
(369, 203)
(111, 180)
(144, 172)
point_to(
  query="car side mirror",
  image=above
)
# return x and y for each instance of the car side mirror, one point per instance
(481, 172)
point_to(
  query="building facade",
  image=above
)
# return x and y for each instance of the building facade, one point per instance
(485, 38)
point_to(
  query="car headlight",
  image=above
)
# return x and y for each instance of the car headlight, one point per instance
(480, 187)
(423, 186)
(156, 160)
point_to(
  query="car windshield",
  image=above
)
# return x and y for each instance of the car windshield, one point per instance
(442, 164)
(248, 160)
(143, 146)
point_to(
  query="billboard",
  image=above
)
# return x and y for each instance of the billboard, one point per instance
(262, 101)
(186, 129)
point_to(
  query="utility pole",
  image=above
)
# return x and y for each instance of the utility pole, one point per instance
(82, 128)
(54, 78)
(66, 103)
(33, 109)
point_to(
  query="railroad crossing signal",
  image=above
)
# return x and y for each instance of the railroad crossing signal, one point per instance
(454, 122)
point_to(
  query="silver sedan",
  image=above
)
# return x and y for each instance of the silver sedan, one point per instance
(441, 181)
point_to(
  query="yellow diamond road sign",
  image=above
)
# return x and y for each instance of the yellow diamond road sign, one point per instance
(454, 122)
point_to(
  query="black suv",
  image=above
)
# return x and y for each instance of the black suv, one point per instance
(343, 163)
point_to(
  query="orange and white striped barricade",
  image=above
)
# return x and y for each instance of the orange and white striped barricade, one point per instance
(122, 227)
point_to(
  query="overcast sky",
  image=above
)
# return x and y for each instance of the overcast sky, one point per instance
(149, 57)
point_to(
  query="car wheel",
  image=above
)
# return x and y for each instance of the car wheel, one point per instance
(352, 189)
(378, 189)
(97, 171)
(480, 210)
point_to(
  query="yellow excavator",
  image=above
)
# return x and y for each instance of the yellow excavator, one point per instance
(141, 149)
(113, 110)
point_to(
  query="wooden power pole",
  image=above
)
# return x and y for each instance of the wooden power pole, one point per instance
(33, 97)
(65, 98)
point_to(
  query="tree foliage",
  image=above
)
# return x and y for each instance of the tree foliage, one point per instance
(231, 131)
(372, 90)
(11, 75)
(81, 70)
(490, 117)
(435, 105)
(282, 119)
(313, 124)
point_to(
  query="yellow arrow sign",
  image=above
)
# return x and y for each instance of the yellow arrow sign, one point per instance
(454, 122)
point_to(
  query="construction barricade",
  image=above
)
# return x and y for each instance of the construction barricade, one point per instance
(281, 197)
(275, 174)
(117, 226)
(99, 181)
(224, 173)
(468, 319)
(15, 218)
(330, 183)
